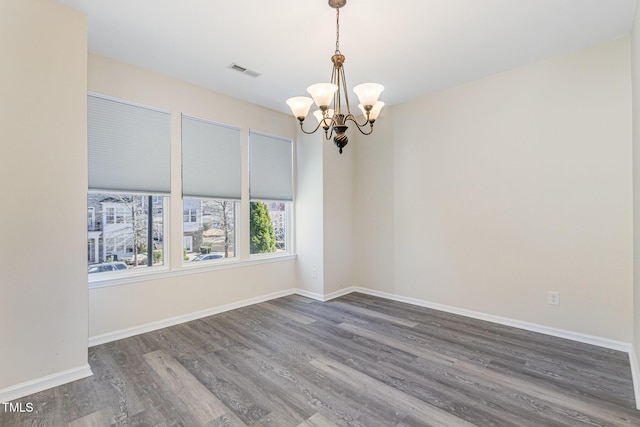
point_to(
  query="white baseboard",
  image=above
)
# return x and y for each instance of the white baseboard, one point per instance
(34, 386)
(326, 297)
(561, 333)
(153, 326)
(309, 294)
(341, 292)
(635, 375)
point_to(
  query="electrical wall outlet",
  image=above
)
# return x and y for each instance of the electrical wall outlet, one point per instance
(314, 273)
(553, 298)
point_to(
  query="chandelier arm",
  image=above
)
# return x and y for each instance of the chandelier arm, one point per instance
(366, 133)
(360, 126)
(354, 120)
(307, 132)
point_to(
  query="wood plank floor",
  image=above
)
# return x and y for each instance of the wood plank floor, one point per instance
(354, 361)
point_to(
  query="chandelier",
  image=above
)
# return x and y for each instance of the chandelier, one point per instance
(328, 97)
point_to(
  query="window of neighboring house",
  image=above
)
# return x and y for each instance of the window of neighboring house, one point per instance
(129, 181)
(91, 218)
(121, 213)
(190, 215)
(271, 192)
(110, 216)
(211, 189)
(115, 215)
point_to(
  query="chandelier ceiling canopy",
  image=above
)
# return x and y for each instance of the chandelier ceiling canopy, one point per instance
(332, 114)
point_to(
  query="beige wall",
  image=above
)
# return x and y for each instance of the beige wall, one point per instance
(373, 227)
(338, 219)
(133, 305)
(515, 185)
(43, 174)
(635, 72)
(325, 215)
(309, 213)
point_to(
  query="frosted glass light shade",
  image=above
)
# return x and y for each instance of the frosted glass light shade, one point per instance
(375, 110)
(368, 93)
(322, 93)
(300, 105)
(326, 121)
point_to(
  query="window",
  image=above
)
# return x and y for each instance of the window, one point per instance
(211, 189)
(214, 236)
(129, 181)
(190, 215)
(91, 218)
(132, 231)
(115, 215)
(271, 191)
(110, 215)
(268, 227)
(129, 152)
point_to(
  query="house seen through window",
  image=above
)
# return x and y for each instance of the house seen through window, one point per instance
(127, 232)
(209, 229)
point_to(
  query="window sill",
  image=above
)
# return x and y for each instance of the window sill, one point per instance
(156, 273)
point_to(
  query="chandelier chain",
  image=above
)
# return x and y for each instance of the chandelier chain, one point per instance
(337, 30)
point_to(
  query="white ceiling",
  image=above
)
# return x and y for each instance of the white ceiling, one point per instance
(413, 47)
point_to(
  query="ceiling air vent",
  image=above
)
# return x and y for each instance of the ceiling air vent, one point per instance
(243, 70)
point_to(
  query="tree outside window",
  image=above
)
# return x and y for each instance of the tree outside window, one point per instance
(263, 236)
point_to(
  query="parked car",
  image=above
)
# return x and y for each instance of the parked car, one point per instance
(207, 257)
(142, 259)
(107, 266)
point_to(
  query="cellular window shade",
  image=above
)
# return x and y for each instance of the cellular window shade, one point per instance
(129, 147)
(211, 164)
(270, 168)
